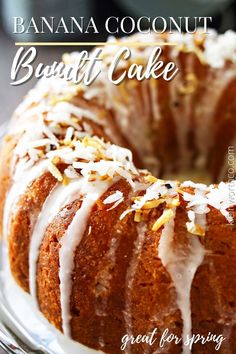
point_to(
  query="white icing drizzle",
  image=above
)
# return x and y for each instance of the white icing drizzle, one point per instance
(34, 322)
(182, 265)
(130, 277)
(151, 160)
(106, 275)
(140, 127)
(105, 278)
(153, 88)
(59, 197)
(186, 157)
(215, 46)
(21, 181)
(215, 85)
(70, 241)
(181, 112)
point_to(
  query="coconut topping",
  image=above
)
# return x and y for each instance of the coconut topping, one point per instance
(220, 48)
(115, 198)
(60, 132)
(61, 137)
(204, 197)
(156, 194)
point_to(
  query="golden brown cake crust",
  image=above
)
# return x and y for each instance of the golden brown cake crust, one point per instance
(6, 153)
(120, 283)
(22, 224)
(90, 297)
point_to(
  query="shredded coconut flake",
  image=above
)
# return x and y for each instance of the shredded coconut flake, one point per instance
(113, 197)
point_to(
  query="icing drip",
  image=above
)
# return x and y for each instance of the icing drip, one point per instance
(154, 103)
(186, 157)
(182, 265)
(104, 278)
(130, 277)
(52, 340)
(59, 197)
(106, 275)
(181, 118)
(70, 241)
(21, 181)
(56, 130)
(214, 88)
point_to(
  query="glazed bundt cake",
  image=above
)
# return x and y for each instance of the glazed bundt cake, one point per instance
(106, 249)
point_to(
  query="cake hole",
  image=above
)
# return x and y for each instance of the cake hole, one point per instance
(194, 175)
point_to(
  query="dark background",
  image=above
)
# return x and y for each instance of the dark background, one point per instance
(101, 9)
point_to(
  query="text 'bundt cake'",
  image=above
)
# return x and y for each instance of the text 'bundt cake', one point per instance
(106, 249)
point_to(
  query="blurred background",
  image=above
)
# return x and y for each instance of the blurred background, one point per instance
(222, 11)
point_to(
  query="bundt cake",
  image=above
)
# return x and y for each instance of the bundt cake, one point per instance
(110, 253)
